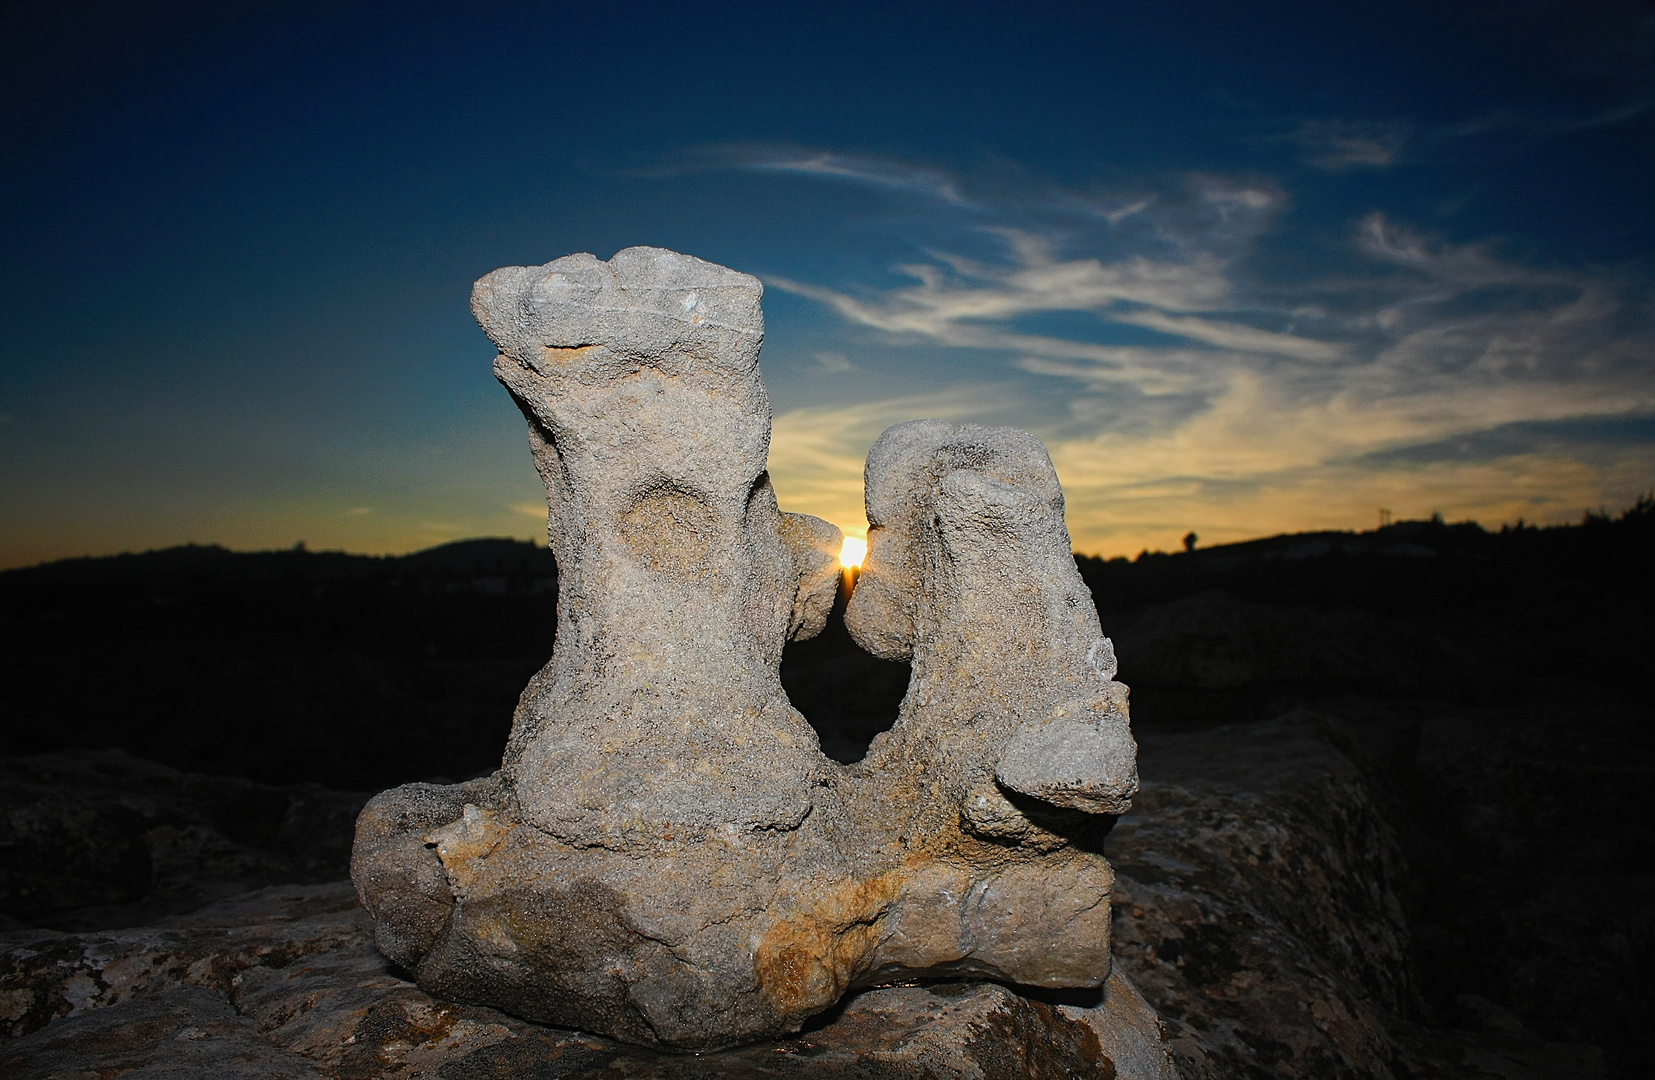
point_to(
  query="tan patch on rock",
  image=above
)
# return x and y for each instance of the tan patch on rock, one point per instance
(806, 962)
(465, 843)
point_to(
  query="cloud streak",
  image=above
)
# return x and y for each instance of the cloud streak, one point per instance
(1341, 145)
(829, 165)
(862, 170)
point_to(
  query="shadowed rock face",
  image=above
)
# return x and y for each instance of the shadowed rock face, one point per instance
(665, 855)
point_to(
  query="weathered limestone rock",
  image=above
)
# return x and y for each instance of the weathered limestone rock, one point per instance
(665, 855)
(679, 578)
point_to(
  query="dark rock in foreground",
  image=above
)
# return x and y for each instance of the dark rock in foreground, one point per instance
(97, 838)
(1273, 881)
(1259, 903)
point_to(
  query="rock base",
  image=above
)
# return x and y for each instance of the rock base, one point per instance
(286, 982)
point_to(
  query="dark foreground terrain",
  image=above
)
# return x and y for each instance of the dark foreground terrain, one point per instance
(1394, 817)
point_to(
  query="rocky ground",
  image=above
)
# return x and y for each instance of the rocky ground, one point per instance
(1279, 904)
(285, 982)
(154, 952)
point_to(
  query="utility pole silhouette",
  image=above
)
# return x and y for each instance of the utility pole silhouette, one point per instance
(1384, 517)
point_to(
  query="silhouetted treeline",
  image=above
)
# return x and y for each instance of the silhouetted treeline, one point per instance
(1401, 569)
(361, 672)
(1420, 609)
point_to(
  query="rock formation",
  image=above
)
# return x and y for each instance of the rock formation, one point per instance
(665, 855)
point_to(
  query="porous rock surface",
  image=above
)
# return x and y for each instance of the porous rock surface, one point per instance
(666, 856)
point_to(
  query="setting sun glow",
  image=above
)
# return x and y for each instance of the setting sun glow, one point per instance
(852, 552)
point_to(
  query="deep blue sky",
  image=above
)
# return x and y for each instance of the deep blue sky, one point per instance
(1245, 268)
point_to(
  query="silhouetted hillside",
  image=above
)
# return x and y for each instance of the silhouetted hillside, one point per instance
(359, 672)
(282, 666)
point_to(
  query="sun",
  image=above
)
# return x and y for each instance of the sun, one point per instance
(852, 552)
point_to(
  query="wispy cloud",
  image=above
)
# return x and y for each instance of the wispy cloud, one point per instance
(834, 363)
(782, 158)
(1539, 125)
(1338, 145)
(1229, 335)
(1342, 145)
(1203, 398)
(964, 303)
(839, 166)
